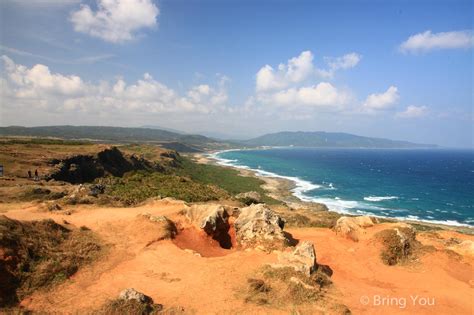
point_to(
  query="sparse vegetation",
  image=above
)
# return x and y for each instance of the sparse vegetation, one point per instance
(285, 286)
(322, 219)
(398, 245)
(126, 307)
(39, 254)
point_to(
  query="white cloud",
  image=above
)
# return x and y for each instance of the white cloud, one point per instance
(413, 112)
(320, 96)
(426, 41)
(288, 90)
(345, 62)
(39, 80)
(38, 87)
(300, 68)
(382, 101)
(115, 21)
(81, 60)
(296, 70)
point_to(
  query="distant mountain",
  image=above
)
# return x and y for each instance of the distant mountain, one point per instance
(164, 128)
(328, 139)
(193, 143)
(119, 134)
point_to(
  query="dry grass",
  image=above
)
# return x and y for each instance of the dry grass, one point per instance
(308, 218)
(40, 254)
(127, 307)
(395, 250)
(280, 287)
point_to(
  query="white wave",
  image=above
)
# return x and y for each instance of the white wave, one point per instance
(443, 222)
(301, 185)
(381, 198)
(335, 204)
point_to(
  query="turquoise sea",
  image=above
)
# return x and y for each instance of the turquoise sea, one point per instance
(434, 185)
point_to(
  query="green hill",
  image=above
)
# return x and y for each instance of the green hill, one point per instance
(328, 139)
(117, 134)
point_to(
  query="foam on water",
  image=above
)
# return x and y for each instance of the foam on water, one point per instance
(381, 198)
(337, 204)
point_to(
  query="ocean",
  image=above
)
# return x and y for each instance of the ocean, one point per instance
(432, 185)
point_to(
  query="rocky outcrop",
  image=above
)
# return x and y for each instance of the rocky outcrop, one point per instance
(132, 294)
(257, 224)
(302, 259)
(249, 197)
(212, 219)
(87, 167)
(353, 227)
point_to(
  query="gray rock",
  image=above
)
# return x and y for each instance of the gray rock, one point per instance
(132, 294)
(249, 197)
(302, 259)
(353, 227)
(259, 224)
(213, 219)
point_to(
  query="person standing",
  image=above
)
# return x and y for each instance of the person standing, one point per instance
(36, 175)
(29, 174)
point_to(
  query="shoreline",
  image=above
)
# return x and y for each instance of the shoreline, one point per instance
(282, 188)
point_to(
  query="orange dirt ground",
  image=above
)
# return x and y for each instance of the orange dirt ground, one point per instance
(209, 284)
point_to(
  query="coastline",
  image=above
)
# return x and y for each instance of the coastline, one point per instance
(285, 189)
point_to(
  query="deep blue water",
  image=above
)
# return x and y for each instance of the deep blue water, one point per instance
(429, 185)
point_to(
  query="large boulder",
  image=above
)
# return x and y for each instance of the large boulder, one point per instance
(352, 227)
(212, 219)
(249, 197)
(257, 224)
(302, 259)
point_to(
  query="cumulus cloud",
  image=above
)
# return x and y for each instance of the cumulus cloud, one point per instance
(322, 95)
(296, 70)
(38, 87)
(427, 41)
(115, 21)
(39, 80)
(413, 112)
(288, 87)
(382, 101)
(300, 68)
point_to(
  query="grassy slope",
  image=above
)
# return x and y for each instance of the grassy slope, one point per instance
(137, 186)
(187, 180)
(225, 178)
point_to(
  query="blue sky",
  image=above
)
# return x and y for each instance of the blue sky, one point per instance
(396, 69)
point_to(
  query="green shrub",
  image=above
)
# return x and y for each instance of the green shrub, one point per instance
(228, 179)
(137, 186)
